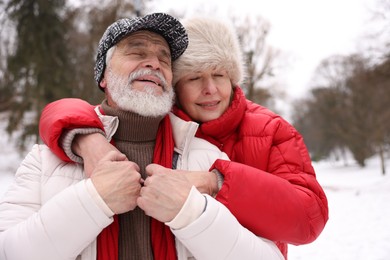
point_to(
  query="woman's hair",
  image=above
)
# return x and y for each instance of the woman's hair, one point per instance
(213, 44)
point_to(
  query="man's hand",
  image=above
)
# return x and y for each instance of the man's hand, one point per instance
(92, 148)
(163, 193)
(165, 190)
(117, 181)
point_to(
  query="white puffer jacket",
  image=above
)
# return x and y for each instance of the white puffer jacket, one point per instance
(51, 213)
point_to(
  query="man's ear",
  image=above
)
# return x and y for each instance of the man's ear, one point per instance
(103, 83)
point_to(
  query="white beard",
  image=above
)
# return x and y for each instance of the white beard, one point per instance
(144, 103)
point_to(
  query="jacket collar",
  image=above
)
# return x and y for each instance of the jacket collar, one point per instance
(183, 132)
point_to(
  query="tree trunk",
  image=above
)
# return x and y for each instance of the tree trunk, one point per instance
(382, 157)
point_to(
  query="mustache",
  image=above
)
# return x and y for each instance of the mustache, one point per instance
(148, 72)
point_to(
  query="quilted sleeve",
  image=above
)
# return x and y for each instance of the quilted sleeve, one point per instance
(41, 219)
(229, 239)
(65, 114)
(275, 193)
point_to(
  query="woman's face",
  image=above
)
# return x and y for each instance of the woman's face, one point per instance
(205, 95)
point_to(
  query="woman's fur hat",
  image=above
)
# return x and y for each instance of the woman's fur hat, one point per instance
(212, 44)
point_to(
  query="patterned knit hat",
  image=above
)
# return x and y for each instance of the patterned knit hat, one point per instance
(165, 25)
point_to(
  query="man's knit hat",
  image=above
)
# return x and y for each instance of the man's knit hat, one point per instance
(212, 44)
(165, 25)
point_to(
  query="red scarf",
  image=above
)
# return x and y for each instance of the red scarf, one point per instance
(163, 243)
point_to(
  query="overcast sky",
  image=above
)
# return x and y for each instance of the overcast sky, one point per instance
(307, 30)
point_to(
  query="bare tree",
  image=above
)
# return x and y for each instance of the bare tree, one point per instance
(348, 109)
(379, 79)
(259, 57)
(7, 35)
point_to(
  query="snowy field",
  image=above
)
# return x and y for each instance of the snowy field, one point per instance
(359, 214)
(359, 203)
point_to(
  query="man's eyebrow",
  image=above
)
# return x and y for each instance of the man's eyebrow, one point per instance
(135, 43)
(142, 43)
(165, 53)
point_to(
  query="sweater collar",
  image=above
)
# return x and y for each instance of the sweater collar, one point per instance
(133, 127)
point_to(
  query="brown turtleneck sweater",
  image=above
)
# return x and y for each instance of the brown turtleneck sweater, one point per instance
(135, 137)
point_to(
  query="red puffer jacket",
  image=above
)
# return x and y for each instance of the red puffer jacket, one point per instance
(269, 186)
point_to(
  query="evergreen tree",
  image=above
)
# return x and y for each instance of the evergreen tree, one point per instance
(38, 70)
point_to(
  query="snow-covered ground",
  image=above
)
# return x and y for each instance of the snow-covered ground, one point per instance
(359, 206)
(359, 214)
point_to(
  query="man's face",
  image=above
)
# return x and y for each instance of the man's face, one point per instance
(204, 95)
(138, 76)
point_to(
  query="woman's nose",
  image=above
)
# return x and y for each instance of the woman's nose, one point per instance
(209, 86)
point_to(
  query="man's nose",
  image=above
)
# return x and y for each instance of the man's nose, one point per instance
(152, 62)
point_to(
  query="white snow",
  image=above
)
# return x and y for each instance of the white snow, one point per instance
(359, 208)
(359, 214)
